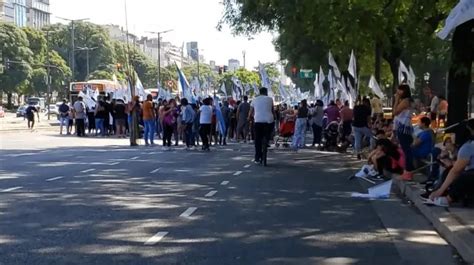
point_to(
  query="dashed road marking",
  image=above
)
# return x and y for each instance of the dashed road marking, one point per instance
(88, 170)
(12, 189)
(211, 193)
(156, 170)
(237, 173)
(134, 158)
(188, 212)
(155, 239)
(55, 178)
(247, 166)
(114, 163)
(225, 182)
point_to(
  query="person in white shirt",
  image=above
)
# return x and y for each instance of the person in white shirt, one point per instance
(205, 121)
(263, 115)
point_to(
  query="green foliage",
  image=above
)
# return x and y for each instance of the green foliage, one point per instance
(14, 47)
(309, 28)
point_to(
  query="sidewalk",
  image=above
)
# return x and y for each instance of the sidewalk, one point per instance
(455, 224)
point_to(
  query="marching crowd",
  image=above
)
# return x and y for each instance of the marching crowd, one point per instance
(394, 144)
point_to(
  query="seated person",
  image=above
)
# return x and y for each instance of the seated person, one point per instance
(423, 144)
(459, 183)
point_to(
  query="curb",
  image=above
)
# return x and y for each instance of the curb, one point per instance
(456, 233)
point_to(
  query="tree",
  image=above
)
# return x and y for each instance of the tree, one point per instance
(14, 47)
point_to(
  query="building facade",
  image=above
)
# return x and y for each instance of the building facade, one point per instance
(7, 13)
(192, 50)
(234, 65)
(169, 53)
(38, 13)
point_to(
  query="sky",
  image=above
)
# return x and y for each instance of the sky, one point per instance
(191, 20)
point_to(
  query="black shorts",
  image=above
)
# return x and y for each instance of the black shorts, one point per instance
(30, 117)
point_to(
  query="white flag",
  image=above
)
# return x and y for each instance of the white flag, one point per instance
(332, 63)
(223, 89)
(321, 79)
(402, 69)
(255, 89)
(352, 68)
(411, 77)
(331, 80)
(462, 12)
(264, 76)
(317, 88)
(139, 89)
(375, 87)
(283, 93)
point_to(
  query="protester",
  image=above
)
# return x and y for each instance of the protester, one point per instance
(91, 123)
(360, 124)
(332, 112)
(63, 116)
(70, 124)
(80, 116)
(196, 120)
(377, 109)
(187, 120)
(317, 115)
(120, 118)
(205, 121)
(99, 118)
(30, 116)
(434, 104)
(168, 124)
(148, 113)
(300, 126)
(263, 115)
(242, 120)
(424, 142)
(226, 114)
(459, 183)
(347, 116)
(403, 127)
(442, 111)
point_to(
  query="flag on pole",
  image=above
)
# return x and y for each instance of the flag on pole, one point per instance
(331, 80)
(223, 89)
(184, 85)
(332, 63)
(220, 118)
(283, 93)
(139, 89)
(402, 71)
(321, 79)
(375, 87)
(411, 77)
(255, 89)
(317, 88)
(352, 68)
(264, 76)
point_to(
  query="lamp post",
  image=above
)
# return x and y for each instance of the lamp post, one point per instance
(73, 59)
(87, 49)
(158, 33)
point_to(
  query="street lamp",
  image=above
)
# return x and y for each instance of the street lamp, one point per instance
(158, 33)
(73, 59)
(87, 49)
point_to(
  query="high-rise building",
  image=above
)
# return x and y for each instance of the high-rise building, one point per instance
(234, 65)
(192, 49)
(19, 13)
(7, 11)
(38, 13)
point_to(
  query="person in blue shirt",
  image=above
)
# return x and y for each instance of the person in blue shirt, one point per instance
(424, 142)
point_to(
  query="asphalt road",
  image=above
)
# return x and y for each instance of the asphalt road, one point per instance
(65, 200)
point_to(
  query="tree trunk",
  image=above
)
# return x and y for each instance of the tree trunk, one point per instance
(9, 102)
(378, 60)
(459, 78)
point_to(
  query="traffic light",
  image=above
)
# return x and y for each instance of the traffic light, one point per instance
(294, 72)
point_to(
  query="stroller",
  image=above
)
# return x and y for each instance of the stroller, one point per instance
(285, 132)
(331, 135)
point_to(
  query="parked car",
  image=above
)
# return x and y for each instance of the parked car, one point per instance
(54, 111)
(2, 112)
(20, 112)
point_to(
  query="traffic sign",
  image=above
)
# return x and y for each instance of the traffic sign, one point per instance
(306, 73)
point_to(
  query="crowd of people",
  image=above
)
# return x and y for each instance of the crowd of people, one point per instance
(390, 145)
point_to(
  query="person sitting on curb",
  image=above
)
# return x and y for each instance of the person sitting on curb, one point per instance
(459, 183)
(423, 144)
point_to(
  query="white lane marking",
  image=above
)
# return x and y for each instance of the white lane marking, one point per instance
(134, 158)
(114, 163)
(188, 212)
(88, 170)
(237, 173)
(156, 238)
(55, 178)
(211, 193)
(225, 182)
(247, 166)
(156, 170)
(12, 189)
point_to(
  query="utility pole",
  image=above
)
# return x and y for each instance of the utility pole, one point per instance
(48, 77)
(73, 58)
(243, 54)
(158, 33)
(87, 49)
